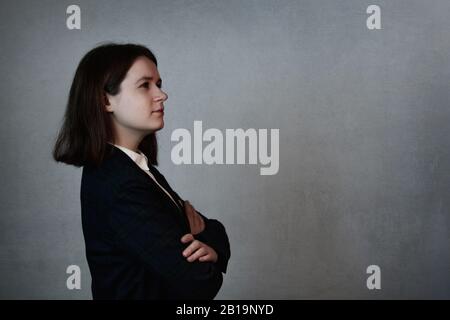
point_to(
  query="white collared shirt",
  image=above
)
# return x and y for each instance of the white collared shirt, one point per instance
(142, 161)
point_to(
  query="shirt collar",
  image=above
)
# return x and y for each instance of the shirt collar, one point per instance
(138, 157)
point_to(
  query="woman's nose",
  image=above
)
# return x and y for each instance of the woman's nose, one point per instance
(162, 96)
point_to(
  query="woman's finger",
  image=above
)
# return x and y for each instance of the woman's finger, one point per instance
(189, 207)
(202, 223)
(196, 222)
(190, 213)
(192, 247)
(206, 257)
(197, 254)
(188, 237)
(199, 222)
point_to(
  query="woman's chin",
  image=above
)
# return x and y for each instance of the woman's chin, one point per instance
(158, 126)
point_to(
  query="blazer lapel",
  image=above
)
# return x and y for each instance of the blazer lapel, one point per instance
(181, 217)
(162, 181)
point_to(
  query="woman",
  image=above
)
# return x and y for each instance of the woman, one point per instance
(142, 240)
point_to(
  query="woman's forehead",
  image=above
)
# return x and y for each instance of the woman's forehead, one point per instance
(142, 67)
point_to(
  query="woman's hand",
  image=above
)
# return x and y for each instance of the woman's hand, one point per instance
(196, 222)
(198, 250)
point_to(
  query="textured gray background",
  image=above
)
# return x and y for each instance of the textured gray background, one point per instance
(364, 140)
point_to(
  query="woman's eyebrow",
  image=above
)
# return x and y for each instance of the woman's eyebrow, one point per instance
(147, 78)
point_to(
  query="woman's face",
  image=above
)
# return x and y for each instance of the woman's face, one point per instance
(136, 109)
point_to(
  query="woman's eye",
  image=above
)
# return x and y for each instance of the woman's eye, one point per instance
(146, 84)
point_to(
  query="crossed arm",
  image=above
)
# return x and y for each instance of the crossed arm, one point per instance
(210, 232)
(206, 231)
(144, 230)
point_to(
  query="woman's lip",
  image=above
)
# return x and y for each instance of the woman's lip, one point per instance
(160, 111)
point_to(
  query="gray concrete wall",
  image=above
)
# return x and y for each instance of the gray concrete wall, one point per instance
(363, 118)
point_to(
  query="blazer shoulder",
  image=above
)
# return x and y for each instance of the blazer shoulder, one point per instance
(108, 177)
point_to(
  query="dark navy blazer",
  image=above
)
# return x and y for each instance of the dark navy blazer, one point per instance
(132, 231)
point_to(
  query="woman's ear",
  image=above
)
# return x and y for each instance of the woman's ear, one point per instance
(106, 103)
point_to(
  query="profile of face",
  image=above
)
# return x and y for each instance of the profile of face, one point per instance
(137, 109)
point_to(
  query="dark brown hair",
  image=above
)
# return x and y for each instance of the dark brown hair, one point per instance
(87, 127)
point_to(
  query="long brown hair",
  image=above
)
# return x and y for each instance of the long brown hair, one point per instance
(87, 127)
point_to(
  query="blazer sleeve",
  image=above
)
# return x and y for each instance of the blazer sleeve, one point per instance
(148, 233)
(215, 235)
